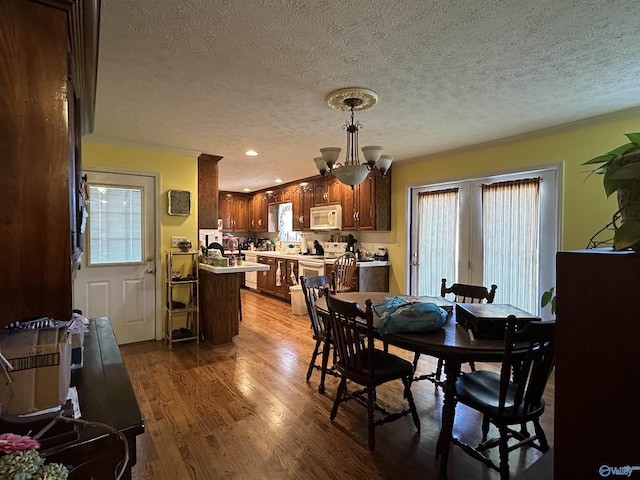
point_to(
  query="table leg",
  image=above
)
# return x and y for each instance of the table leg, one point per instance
(452, 371)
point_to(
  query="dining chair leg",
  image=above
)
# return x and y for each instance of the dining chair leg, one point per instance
(485, 427)
(313, 359)
(504, 453)
(371, 407)
(341, 390)
(412, 406)
(542, 438)
(325, 360)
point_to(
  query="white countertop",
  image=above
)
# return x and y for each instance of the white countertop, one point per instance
(311, 258)
(245, 267)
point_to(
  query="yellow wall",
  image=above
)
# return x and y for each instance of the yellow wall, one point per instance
(585, 208)
(176, 172)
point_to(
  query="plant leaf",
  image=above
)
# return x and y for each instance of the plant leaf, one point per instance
(627, 235)
(553, 305)
(547, 297)
(622, 149)
(627, 172)
(599, 159)
(633, 137)
(610, 184)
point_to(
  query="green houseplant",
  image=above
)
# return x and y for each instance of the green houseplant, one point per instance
(621, 170)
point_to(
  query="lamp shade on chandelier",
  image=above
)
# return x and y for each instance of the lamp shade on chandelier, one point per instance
(352, 172)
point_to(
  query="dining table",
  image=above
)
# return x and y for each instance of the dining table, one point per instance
(452, 343)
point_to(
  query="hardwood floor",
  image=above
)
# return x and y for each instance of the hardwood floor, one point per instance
(244, 411)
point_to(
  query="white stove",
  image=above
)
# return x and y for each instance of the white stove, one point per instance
(333, 250)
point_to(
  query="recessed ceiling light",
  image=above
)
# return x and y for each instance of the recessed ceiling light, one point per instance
(246, 189)
(251, 153)
(278, 180)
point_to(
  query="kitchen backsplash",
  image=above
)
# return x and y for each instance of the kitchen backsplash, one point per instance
(369, 241)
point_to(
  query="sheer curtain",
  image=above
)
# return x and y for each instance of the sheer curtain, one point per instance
(437, 239)
(510, 230)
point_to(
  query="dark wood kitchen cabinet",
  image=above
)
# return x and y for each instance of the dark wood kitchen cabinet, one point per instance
(234, 209)
(292, 268)
(301, 202)
(49, 68)
(274, 281)
(279, 277)
(259, 219)
(267, 279)
(367, 206)
(327, 191)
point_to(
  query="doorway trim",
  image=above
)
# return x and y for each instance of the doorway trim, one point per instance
(157, 261)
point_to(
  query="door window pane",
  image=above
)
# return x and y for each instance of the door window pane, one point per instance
(510, 232)
(115, 225)
(438, 234)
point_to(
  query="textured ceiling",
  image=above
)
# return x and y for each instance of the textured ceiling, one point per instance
(220, 77)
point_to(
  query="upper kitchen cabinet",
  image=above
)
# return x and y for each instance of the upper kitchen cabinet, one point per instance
(274, 196)
(286, 194)
(279, 195)
(367, 206)
(259, 213)
(301, 201)
(327, 191)
(49, 67)
(234, 210)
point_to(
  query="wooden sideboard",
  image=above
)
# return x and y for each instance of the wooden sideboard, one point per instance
(597, 362)
(105, 395)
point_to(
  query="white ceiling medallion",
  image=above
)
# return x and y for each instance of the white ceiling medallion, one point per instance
(337, 99)
(351, 171)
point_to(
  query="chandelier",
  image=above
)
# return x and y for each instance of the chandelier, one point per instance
(352, 172)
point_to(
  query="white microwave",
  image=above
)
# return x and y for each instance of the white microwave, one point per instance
(326, 218)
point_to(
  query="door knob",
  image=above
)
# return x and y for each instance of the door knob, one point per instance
(149, 270)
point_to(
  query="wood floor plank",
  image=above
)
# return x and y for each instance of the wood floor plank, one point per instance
(244, 411)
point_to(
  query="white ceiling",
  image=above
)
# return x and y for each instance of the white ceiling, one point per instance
(223, 76)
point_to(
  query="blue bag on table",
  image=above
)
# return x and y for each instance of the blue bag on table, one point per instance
(402, 315)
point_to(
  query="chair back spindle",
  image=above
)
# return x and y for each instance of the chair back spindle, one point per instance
(343, 269)
(355, 353)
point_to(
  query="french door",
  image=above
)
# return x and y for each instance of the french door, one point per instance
(497, 230)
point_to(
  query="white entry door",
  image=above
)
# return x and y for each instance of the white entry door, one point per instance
(117, 277)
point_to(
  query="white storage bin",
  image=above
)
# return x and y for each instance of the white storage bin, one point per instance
(298, 305)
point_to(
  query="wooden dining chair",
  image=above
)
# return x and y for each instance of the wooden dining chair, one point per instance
(342, 275)
(314, 288)
(513, 396)
(462, 293)
(360, 362)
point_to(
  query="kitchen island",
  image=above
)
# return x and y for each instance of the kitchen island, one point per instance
(220, 308)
